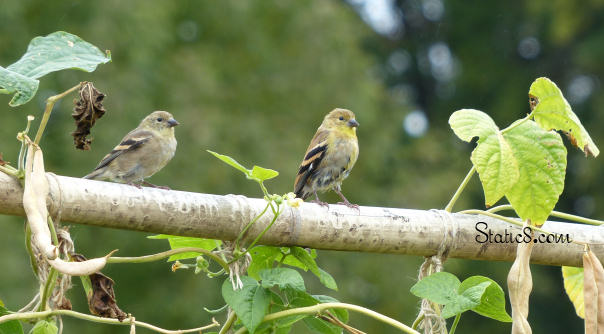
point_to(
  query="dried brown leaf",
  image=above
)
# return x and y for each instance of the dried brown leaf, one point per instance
(520, 284)
(87, 110)
(102, 302)
(2, 162)
(593, 293)
(533, 101)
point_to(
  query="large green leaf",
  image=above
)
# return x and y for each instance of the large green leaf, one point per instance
(24, 88)
(496, 165)
(444, 288)
(182, 242)
(573, 285)
(9, 327)
(263, 257)
(284, 278)
(440, 287)
(541, 157)
(250, 303)
(57, 51)
(554, 112)
(492, 303)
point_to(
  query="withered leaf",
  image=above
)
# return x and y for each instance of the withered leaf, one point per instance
(87, 110)
(101, 301)
(2, 162)
(533, 101)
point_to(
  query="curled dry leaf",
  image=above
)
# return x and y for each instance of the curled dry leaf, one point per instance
(80, 268)
(102, 300)
(2, 162)
(87, 110)
(520, 284)
(34, 201)
(593, 293)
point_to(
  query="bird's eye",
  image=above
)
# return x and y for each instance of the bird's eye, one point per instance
(341, 118)
(159, 119)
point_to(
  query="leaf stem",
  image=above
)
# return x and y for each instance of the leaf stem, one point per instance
(4, 91)
(454, 326)
(111, 321)
(9, 170)
(50, 102)
(163, 255)
(462, 186)
(324, 306)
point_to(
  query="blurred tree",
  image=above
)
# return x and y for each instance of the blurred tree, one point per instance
(253, 79)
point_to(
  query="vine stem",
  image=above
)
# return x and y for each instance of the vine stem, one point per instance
(4, 91)
(50, 103)
(250, 225)
(111, 321)
(553, 214)
(462, 186)
(455, 322)
(229, 322)
(163, 255)
(324, 306)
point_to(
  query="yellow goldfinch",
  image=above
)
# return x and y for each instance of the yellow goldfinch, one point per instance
(141, 153)
(330, 156)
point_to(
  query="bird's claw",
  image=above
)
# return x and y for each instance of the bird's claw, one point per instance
(321, 203)
(156, 186)
(135, 185)
(350, 205)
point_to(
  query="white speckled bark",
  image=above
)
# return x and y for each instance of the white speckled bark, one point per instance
(371, 229)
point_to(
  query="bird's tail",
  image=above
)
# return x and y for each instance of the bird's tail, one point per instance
(95, 175)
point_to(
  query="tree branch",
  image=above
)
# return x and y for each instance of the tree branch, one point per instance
(369, 229)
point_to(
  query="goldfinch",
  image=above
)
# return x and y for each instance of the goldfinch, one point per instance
(141, 153)
(329, 158)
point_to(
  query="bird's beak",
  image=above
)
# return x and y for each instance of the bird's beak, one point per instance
(172, 122)
(353, 123)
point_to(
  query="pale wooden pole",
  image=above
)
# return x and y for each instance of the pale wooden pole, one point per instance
(369, 229)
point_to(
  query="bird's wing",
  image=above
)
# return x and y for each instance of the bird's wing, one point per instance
(133, 141)
(314, 154)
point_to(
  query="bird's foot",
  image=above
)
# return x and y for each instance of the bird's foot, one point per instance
(134, 185)
(321, 203)
(155, 186)
(350, 205)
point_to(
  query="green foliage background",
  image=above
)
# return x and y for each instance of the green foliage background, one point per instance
(253, 79)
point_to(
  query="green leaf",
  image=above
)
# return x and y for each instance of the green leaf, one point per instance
(250, 303)
(182, 242)
(493, 158)
(573, 285)
(492, 303)
(440, 287)
(465, 300)
(263, 174)
(24, 88)
(306, 259)
(44, 327)
(554, 112)
(444, 288)
(57, 51)
(263, 257)
(327, 280)
(232, 162)
(541, 159)
(9, 327)
(284, 278)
